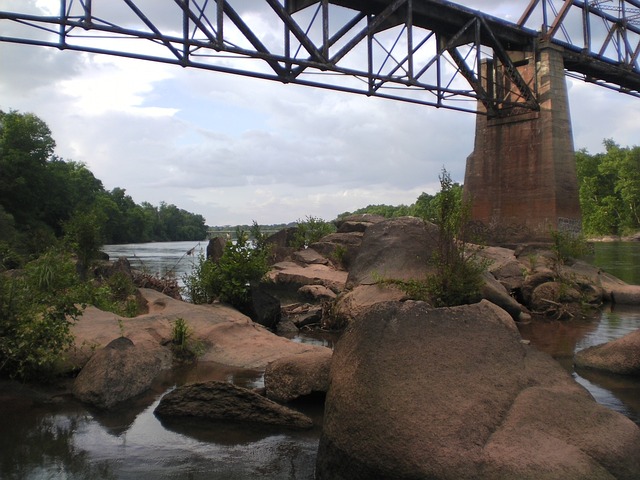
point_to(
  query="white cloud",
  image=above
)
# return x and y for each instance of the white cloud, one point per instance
(236, 149)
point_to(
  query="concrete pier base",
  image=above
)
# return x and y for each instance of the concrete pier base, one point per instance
(521, 177)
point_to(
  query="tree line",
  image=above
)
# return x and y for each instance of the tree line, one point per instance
(609, 186)
(426, 206)
(610, 190)
(42, 196)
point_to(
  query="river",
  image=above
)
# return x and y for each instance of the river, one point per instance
(63, 439)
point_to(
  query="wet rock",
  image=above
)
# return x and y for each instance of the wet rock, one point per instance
(472, 402)
(221, 401)
(295, 376)
(621, 356)
(119, 371)
(286, 328)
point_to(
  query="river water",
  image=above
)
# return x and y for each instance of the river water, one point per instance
(62, 439)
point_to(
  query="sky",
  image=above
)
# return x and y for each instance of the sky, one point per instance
(237, 150)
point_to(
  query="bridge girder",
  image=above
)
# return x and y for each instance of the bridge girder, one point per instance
(422, 51)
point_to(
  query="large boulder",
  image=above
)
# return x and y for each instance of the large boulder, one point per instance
(280, 244)
(262, 307)
(222, 401)
(496, 293)
(215, 248)
(295, 376)
(454, 393)
(120, 371)
(621, 356)
(225, 335)
(340, 247)
(398, 248)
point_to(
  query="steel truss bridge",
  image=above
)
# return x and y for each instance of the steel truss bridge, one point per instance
(428, 52)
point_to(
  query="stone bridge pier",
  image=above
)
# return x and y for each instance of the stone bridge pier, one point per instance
(521, 177)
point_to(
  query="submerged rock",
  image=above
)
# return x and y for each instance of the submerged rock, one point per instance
(621, 356)
(221, 401)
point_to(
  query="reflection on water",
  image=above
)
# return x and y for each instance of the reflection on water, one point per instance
(561, 339)
(41, 439)
(621, 259)
(50, 441)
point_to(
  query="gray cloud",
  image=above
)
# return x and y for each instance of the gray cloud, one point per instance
(236, 149)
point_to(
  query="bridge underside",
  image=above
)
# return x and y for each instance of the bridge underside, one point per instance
(521, 177)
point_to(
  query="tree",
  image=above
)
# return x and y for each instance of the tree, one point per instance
(25, 146)
(610, 189)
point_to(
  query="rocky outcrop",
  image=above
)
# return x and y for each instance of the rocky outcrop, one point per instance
(451, 393)
(398, 248)
(225, 402)
(621, 356)
(358, 222)
(120, 371)
(355, 302)
(280, 244)
(296, 275)
(225, 335)
(289, 378)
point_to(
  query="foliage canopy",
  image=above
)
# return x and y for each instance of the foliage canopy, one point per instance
(610, 190)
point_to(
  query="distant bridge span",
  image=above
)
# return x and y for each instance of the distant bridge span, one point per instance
(422, 51)
(521, 176)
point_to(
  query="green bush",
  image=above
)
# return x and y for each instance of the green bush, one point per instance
(457, 279)
(229, 280)
(568, 246)
(37, 309)
(311, 230)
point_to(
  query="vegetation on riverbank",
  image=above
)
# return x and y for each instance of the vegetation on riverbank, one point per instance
(610, 190)
(43, 195)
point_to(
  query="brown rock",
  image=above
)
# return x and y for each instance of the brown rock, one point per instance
(358, 222)
(215, 248)
(119, 371)
(297, 375)
(226, 336)
(398, 248)
(621, 356)
(453, 393)
(309, 256)
(290, 273)
(221, 401)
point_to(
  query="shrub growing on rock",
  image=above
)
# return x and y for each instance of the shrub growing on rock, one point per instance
(229, 279)
(311, 230)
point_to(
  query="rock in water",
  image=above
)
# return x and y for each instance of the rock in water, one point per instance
(120, 371)
(221, 401)
(621, 356)
(453, 393)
